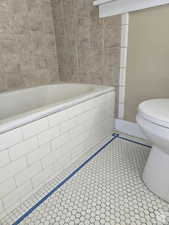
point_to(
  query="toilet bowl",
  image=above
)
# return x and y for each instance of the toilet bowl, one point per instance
(153, 119)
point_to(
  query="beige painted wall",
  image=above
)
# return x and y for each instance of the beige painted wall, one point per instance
(148, 58)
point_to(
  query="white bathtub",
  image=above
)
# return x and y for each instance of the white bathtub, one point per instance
(23, 106)
(44, 129)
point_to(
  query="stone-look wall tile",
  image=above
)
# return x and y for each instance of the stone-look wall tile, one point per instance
(90, 78)
(111, 76)
(14, 80)
(113, 20)
(112, 31)
(59, 29)
(117, 101)
(111, 57)
(88, 47)
(27, 44)
(97, 33)
(2, 84)
(68, 8)
(17, 6)
(57, 9)
(83, 8)
(90, 60)
(83, 32)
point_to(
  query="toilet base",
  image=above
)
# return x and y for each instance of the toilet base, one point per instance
(156, 173)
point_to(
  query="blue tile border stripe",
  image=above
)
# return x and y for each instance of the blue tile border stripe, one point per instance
(114, 136)
(136, 142)
(26, 214)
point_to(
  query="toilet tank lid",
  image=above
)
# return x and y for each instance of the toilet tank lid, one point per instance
(156, 110)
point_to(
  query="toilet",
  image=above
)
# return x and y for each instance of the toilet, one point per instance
(153, 119)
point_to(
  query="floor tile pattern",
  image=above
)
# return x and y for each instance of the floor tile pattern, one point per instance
(108, 190)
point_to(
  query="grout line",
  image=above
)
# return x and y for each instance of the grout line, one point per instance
(136, 142)
(26, 214)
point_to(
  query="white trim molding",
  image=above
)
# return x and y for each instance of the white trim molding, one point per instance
(123, 64)
(101, 2)
(116, 7)
(129, 128)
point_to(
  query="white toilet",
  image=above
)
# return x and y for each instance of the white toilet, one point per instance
(153, 118)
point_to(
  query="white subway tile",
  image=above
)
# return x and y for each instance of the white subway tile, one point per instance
(121, 111)
(47, 160)
(75, 110)
(25, 190)
(28, 173)
(57, 118)
(12, 169)
(65, 150)
(123, 57)
(65, 127)
(69, 125)
(4, 158)
(79, 140)
(7, 186)
(122, 94)
(23, 148)
(15, 196)
(76, 132)
(55, 132)
(78, 150)
(59, 141)
(51, 158)
(57, 156)
(11, 199)
(45, 137)
(66, 162)
(122, 79)
(73, 143)
(57, 168)
(43, 177)
(49, 135)
(74, 122)
(124, 36)
(38, 154)
(10, 138)
(34, 128)
(125, 19)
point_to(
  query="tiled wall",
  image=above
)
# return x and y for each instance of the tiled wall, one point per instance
(39, 150)
(123, 65)
(88, 46)
(39, 36)
(27, 44)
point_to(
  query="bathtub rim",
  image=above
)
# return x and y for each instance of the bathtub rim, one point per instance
(14, 122)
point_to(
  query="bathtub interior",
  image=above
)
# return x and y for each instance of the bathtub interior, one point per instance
(21, 101)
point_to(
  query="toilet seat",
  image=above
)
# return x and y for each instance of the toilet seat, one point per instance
(155, 111)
